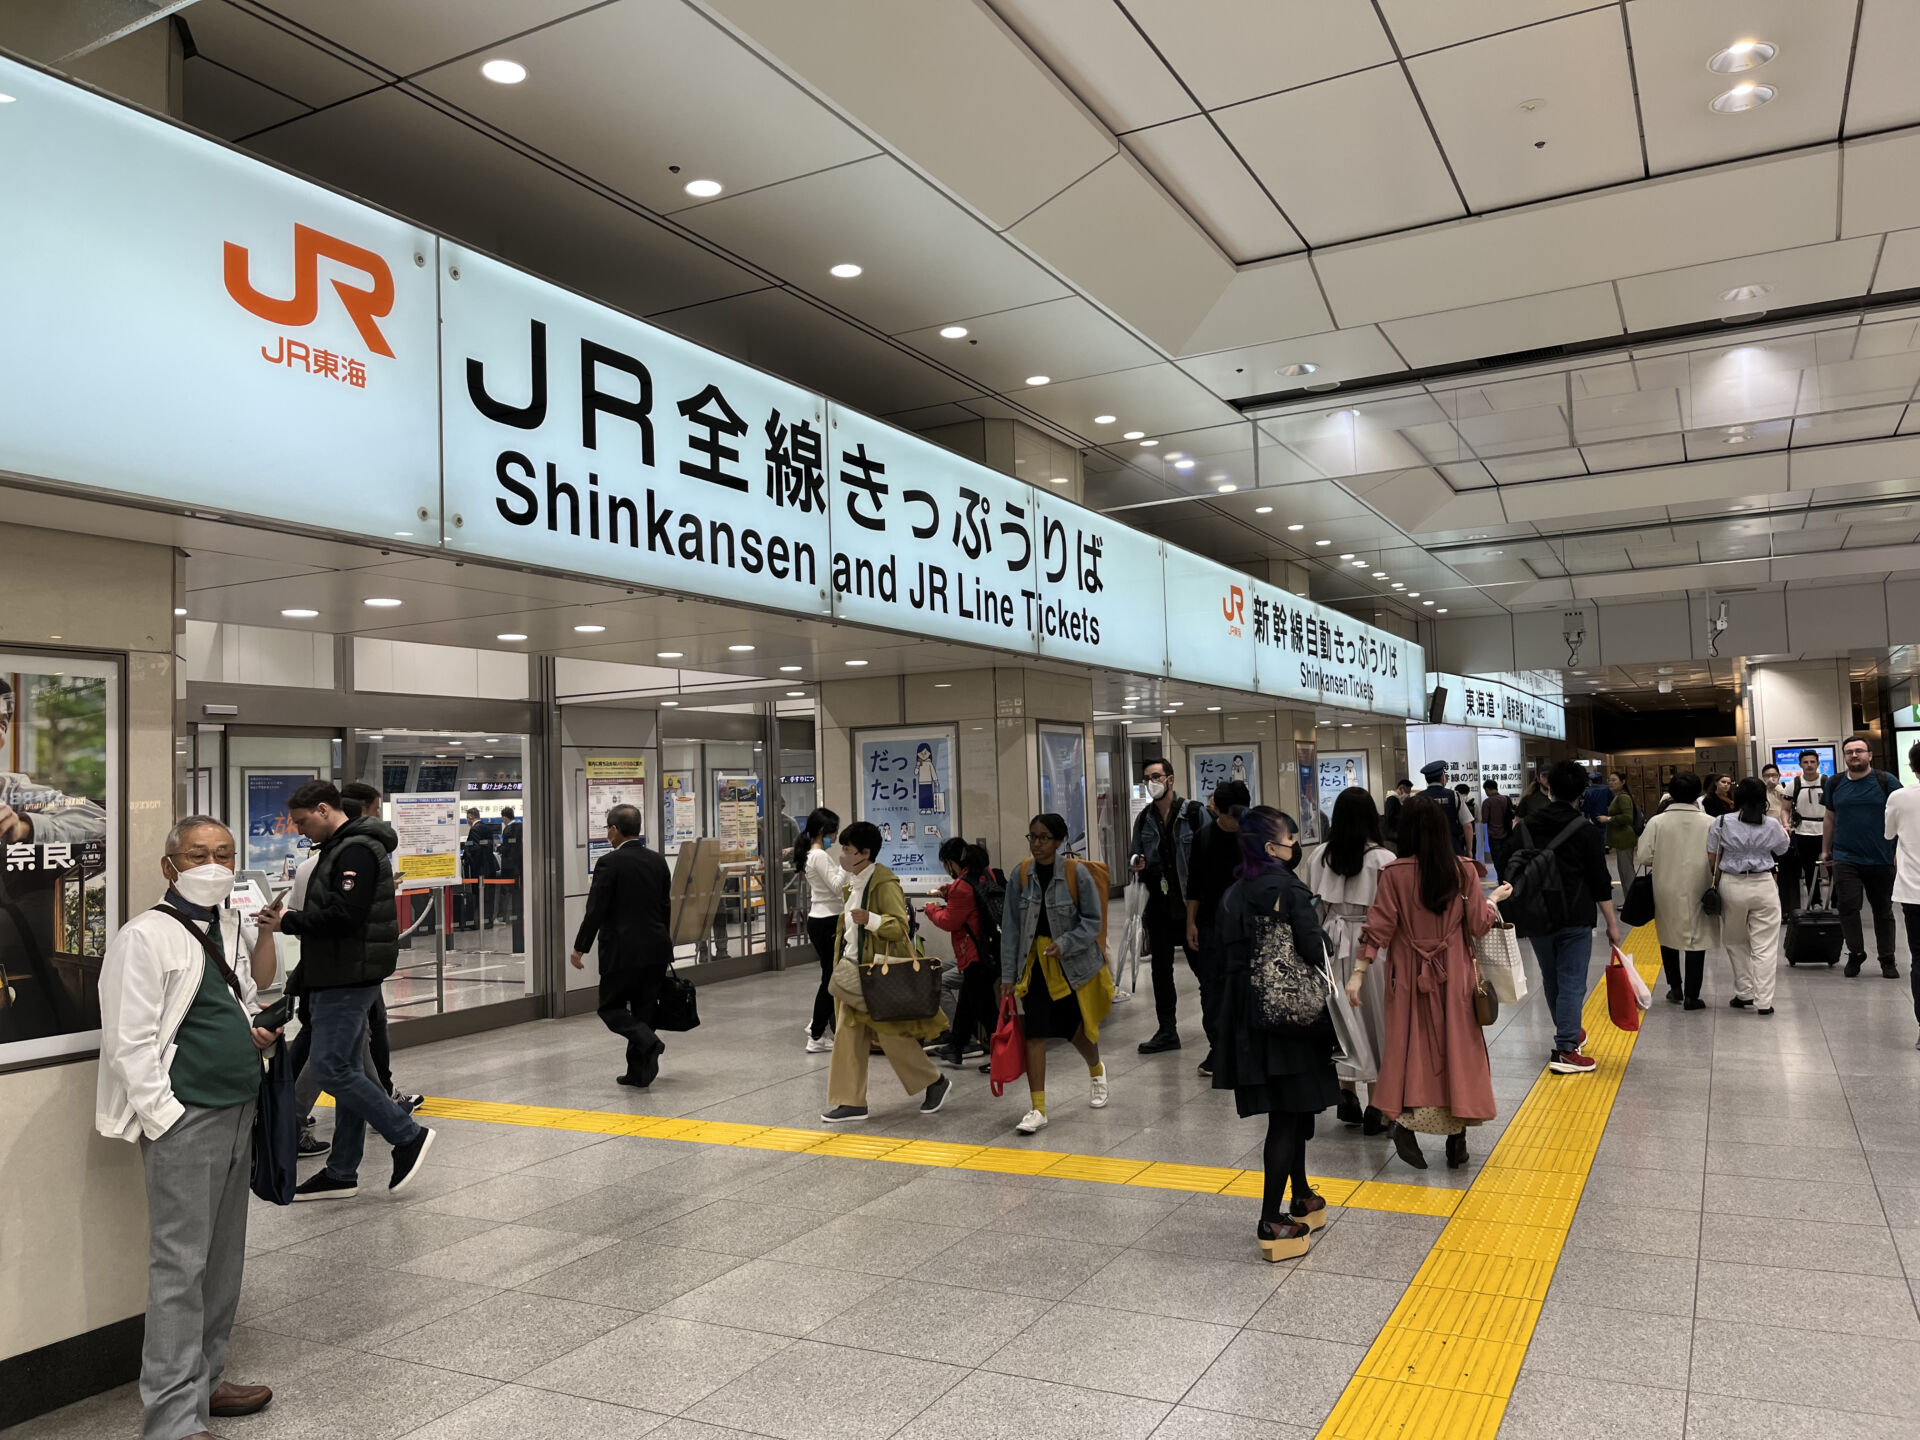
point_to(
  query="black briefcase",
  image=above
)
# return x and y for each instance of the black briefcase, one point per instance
(1814, 936)
(1636, 908)
(677, 1008)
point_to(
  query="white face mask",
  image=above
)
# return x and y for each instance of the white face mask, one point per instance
(1156, 788)
(207, 885)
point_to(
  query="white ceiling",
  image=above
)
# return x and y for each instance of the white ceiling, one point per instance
(1161, 203)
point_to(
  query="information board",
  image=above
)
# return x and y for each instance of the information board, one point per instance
(428, 827)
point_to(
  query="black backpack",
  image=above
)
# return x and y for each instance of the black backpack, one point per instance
(989, 904)
(1639, 820)
(1540, 903)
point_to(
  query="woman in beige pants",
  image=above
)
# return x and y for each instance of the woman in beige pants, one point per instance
(1745, 847)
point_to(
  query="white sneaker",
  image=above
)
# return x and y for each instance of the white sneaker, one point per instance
(821, 1045)
(1098, 1098)
(1034, 1121)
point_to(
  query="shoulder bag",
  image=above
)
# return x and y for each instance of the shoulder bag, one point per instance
(678, 1005)
(1710, 897)
(1486, 1002)
(1289, 995)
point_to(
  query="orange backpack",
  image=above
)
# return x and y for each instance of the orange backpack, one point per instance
(1101, 880)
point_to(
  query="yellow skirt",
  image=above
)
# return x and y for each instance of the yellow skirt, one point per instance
(1056, 1010)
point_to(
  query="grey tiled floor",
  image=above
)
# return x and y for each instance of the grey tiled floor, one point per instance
(1744, 1263)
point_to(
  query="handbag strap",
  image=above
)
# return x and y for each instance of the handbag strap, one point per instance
(212, 950)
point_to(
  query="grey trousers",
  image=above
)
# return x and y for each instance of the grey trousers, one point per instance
(197, 1176)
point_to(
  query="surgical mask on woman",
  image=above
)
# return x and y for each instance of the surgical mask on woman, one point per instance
(205, 885)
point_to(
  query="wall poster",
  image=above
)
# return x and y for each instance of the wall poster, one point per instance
(1063, 780)
(679, 810)
(60, 809)
(1209, 765)
(430, 834)
(906, 779)
(272, 844)
(1305, 754)
(736, 811)
(1339, 769)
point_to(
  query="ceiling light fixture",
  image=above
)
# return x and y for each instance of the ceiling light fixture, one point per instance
(1212, 708)
(381, 602)
(1441, 610)
(403, 534)
(1426, 602)
(670, 704)
(1413, 594)
(1148, 444)
(844, 272)
(1742, 97)
(740, 649)
(1134, 435)
(1379, 574)
(856, 663)
(1060, 480)
(1746, 292)
(796, 694)
(1265, 510)
(669, 654)
(1292, 370)
(299, 614)
(1296, 526)
(510, 635)
(943, 684)
(1742, 55)
(1347, 556)
(1104, 419)
(178, 611)
(953, 332)
(703, 189)
(1399, 584)
(1323, 542)
(1185, 464)
(1176, 454)
(791, 669)
(1359, 564)
(6, 99)
(588, 629)
(1228, 489)
(504, 72)
(1039, 379)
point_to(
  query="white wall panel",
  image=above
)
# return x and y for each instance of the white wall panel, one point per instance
(1851, 617)
(1480, 645)
(1631, 634)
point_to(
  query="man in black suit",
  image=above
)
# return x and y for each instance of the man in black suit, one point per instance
(627, 908)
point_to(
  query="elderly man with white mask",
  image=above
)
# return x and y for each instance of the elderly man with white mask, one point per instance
(180, 1076)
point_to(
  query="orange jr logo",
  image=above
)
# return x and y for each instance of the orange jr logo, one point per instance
(310, 246)
(1234, 605)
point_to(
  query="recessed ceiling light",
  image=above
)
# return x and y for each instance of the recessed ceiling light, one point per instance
(1148, 444)
(1742, 55)
(1103, 419)
(670, 704)
(1176, 703)
(1228, 489)
(1413, 594)
(791, 669)
(1746, 292)
(1059, 479)
(1399, 584)
(1323, 385)
(456, 742)
(1744, 96)
(1379, 574)
(6, 99)
(796, 694)
(1185, 464)
(403, 534)
(1265, 510)
(844, 272)
(1134, 435)
(1323, 542)
(943, 685)
(588, 629)
(376, 737)
(1347, 556)
(1441, 610)
(1292, 370)
(1735, 439)
(1426, 602)
(1296, 526)
(299, 614)
(856, 662)
(1039, 379)
(504, 72)
(740, 649)
(1359, 564)
(669, 654)
(510, 635)
(1169, 712)
(953, 332)
(381, 602)
(703, 189)
(178, 611)
(1212, 708)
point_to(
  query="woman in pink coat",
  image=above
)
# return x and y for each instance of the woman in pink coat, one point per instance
(1434, 1077)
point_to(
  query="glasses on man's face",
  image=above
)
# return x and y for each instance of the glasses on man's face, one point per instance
(204, 855)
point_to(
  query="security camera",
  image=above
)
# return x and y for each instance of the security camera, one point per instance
(1716, 627)
(1574, 632)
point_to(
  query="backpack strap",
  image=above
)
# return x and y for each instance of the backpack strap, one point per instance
(1572, 826)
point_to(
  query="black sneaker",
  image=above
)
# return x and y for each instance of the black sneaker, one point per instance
(1740, 1003)
(311, 1144)
(1206, 1067)
(1162, 1040)
(1854, 962)
(1768, 1010)
(407, 1158)
(406, 1102)
(1889, 969)
(322, 1186)
(936, 1096)
(942, 1041)
(846, 1114)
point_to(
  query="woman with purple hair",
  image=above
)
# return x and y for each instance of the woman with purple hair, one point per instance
(1286, 1076)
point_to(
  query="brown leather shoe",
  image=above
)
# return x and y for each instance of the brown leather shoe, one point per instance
(230, 1399)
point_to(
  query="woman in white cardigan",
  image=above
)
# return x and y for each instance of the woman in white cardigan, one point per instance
(1344, 875)
(1674, 848)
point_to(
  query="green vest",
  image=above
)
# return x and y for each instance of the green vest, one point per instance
(335, 962)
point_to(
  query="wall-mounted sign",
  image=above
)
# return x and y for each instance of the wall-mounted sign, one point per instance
(1305, 651)
(1507, 702)
(1340, 770)
(1212, 765)
(430, 834)
(905, 786)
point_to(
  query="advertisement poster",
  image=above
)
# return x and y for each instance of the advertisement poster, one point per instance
(430, 834)
(1305, 754)
(59, 897)
(906, 785)
(1209, 765)
(1787, 757)
(679, 810)
(1339, 769)
(614, 780)
(273, 844)
(1500, 762)
(1063, 780)
(736, 811)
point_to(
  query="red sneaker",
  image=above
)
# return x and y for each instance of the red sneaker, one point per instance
(1572, 1062)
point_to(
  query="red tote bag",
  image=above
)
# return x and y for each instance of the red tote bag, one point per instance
(1623, 1006)
(1008, 1060)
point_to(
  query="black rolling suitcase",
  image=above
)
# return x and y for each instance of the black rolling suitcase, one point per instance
(1814, 936)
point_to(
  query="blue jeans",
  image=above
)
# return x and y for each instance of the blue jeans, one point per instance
(339, 1034)
(1563, 958)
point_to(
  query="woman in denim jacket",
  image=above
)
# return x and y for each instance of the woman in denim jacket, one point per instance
(1050, 958)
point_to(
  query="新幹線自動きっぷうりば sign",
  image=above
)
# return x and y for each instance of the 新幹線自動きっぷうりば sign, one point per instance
(401, 386)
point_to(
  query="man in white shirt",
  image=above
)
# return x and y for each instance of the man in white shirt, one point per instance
(1903, 827)
(180, 1075)
(1809, 818)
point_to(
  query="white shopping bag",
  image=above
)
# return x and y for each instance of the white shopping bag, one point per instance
(1498, 952)
(1642, 996)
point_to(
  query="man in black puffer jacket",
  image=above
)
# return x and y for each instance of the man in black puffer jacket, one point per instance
(349, 932)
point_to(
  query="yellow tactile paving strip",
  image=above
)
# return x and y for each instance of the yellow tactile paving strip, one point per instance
(1445, 1363)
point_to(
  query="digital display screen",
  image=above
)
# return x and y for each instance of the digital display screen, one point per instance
(438, 779)
(1787, 757)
